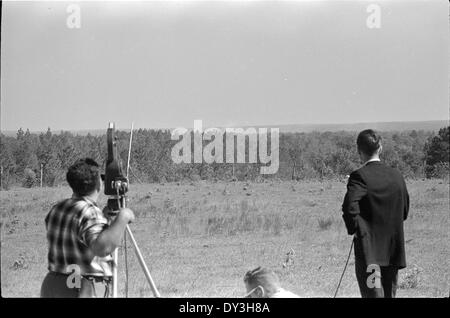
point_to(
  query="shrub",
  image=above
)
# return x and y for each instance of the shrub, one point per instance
(324, 224)
(409, 278)
(439, 170)
(29, 178)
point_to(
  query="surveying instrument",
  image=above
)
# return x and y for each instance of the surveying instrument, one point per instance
(116, 187)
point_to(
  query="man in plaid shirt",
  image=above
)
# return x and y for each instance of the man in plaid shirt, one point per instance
(80, 238)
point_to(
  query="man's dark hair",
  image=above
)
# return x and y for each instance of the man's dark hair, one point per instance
(84, 176)
(262, 277)
(368, 141)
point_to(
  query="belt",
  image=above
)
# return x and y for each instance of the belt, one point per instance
(98, 279)
(95, 278)
(106, 280)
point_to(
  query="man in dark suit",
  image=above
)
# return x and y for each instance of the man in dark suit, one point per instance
(374, 208)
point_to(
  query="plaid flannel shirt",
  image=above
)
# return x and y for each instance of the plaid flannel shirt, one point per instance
(72, 226)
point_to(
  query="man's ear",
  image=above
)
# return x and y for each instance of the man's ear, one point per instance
(361, 156)
(380, 149)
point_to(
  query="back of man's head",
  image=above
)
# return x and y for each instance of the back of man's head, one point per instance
(263, 277)
(368, 142)
(84, 176)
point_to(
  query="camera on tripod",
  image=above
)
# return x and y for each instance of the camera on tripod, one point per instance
(120, 186)
(116, 187)
(116, 184)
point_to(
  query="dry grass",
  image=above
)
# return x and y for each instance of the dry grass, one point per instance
(200, 238)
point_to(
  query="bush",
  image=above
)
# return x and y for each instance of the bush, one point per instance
(409, 278)
(29, 178)
(324, 224)
(439, 170)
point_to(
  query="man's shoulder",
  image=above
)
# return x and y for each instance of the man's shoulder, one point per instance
(380, 174)
(77, 205)
(61, 202)
(61, 205)
(59, 210)
(372, 166)
(357, 174)
(89, 211)
(380, 166)
(366, 171)
(89, 208)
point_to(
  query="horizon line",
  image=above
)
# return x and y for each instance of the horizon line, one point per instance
(231, 126)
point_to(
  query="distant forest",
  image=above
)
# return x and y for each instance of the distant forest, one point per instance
(312, 155)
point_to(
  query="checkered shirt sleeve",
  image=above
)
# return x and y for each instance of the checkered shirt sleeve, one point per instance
(92, 223)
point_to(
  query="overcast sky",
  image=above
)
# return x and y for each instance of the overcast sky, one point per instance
(163, 65)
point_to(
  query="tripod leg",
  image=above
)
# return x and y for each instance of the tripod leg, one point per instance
(125, 254)
(143, 265)
(114, 272)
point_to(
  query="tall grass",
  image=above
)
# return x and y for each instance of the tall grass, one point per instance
(195, 234)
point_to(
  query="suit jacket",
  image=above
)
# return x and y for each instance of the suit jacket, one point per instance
(374, 208)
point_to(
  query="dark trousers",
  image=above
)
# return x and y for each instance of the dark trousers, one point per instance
(389, 277)
(55, 286)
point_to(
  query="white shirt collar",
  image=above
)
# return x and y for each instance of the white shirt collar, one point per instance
(371, 160)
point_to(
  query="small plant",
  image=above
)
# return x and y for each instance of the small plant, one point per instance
(20, 263)
(244, 206)
(310, 204)
(169, 207)
(29, 179)
(277, 226)
(324, 224)
(12, 225)
(289, 260)
(409, 279)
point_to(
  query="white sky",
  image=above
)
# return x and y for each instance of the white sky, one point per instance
(163, 65)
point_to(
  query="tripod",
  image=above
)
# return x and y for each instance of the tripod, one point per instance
(121, 203)
(116, 186)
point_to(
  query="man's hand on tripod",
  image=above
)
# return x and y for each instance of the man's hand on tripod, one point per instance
(127, 215)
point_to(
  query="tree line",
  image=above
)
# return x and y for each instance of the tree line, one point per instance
(31, 159)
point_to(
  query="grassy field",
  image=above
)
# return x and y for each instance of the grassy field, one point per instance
(200, 238)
